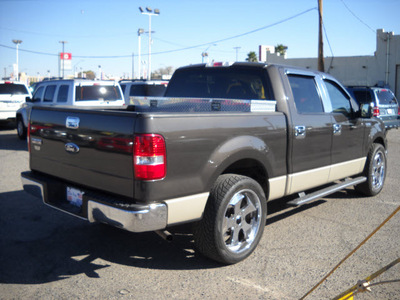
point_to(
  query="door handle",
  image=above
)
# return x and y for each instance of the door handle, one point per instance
(300, 131)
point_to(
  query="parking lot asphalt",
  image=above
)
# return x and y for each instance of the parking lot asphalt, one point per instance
(46, 254)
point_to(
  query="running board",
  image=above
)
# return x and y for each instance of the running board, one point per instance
(326, 191)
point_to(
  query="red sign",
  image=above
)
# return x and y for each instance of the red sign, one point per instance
(65, 56)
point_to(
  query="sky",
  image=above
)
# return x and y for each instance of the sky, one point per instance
(105, 33)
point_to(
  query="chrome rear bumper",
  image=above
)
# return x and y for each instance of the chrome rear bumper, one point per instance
(136, 218)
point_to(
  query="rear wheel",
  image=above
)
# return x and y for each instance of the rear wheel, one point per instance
(233, 221)
(375, 171)
(21, 129)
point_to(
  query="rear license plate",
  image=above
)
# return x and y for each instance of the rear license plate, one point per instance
(390, 111)
(74, 196)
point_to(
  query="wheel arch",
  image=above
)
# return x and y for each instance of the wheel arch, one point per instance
(245, 155)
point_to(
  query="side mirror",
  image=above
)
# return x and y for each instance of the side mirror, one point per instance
(28, 99)
(366, 111)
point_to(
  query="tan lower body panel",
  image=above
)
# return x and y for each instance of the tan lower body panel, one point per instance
(189, 208)
(293, 183)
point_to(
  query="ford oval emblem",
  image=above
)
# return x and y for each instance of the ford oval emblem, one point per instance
(71, 148)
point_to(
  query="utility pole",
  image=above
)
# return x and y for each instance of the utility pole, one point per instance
(321, 62)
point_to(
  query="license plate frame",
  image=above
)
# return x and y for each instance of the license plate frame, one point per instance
(74, 196)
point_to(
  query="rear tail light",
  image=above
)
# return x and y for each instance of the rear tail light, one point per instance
(149, 159)
(376, 111)
(398, 110)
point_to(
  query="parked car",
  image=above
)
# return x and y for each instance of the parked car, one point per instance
(383, 102)
(12, 95)
(75, 92)
(143, 88)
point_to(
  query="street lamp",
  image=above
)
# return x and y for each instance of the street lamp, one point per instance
(63, 44)
(139, 32)
(150, 13)
(17, 42)
(205, 53)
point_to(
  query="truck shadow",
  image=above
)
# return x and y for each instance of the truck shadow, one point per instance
(39, 244)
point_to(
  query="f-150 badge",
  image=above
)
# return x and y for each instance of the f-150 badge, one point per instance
(72, 122)
(71, 148)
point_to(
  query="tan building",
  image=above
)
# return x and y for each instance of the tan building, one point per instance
(381, 69)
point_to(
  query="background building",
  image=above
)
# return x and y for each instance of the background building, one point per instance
(381, 69)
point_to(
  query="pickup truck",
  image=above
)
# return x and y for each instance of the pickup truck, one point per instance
(225, 140)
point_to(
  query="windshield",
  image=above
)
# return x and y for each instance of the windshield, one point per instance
(13, 89)
(97, 93)
(224, 83)
(386, 97)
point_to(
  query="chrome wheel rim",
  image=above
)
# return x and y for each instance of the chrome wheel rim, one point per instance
(378, 170)
(241, 221)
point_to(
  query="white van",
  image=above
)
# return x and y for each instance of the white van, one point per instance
(76, 92)
(12, 95)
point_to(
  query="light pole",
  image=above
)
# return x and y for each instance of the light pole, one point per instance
(17, 42)
(150, 13)
(237, 50)
(63, 44)
(139, 32)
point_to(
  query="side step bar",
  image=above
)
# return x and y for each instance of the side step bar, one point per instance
(326, 191)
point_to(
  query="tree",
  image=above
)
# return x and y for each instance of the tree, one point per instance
(158, 74)
(89, 74)
(252, 57)
(280, 49)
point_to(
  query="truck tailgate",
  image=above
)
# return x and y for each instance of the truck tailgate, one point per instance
(89, 148)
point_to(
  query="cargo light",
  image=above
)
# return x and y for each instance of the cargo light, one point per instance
(149, 159)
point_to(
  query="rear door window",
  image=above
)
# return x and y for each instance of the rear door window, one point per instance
(363, 96)
(305, 93)
(49, 93)
(62, 95)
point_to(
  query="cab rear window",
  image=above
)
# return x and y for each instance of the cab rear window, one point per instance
(224, 83)
(97, 93)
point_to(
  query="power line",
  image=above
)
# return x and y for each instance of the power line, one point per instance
(357, 16)
(184, 48)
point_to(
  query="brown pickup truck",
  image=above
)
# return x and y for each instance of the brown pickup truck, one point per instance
(225, 140)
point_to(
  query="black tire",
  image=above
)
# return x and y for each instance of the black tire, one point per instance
(233, 221)
(375, 171)
(21, 129)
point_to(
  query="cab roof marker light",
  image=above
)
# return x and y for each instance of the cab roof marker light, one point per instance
(219, 64)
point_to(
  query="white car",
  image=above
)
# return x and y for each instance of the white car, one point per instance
(75, 92)
(12, 96)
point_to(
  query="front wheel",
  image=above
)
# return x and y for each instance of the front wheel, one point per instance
(233, 221)
(375, 171)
